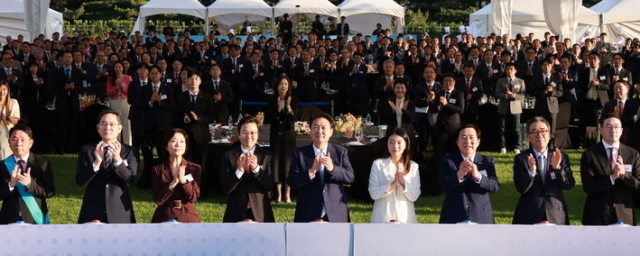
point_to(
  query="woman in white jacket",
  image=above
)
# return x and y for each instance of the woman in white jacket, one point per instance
(394, 182)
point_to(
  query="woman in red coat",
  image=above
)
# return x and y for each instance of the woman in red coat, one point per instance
(176, 182)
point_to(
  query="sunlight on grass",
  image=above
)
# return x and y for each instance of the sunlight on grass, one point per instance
(65, 205)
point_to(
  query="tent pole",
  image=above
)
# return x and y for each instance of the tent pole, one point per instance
(206, 22)
(273, 21)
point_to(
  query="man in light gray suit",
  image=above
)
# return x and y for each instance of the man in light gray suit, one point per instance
(510, 90)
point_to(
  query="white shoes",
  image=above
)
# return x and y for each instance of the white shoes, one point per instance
(517, 151)
(503, 151)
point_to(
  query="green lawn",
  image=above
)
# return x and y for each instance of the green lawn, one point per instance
(65, 205)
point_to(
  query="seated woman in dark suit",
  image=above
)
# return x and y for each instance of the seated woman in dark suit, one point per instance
(176, 182)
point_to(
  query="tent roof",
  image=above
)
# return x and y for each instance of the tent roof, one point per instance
(187, 7)
(321, 7)
(251, 7)
(386, 7)
(616, 11)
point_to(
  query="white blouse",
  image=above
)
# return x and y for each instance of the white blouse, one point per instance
(398, 203)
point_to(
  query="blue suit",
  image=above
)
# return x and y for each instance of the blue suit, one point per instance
(467, 200)
(313, 193)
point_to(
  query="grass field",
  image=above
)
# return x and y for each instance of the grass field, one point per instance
(65, 205)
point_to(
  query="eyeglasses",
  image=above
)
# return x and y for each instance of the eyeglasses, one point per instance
(317, 128)
(613, 127)
(538, 131)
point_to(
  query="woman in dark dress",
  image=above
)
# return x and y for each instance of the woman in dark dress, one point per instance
(176, 182)
(398, 112)
(281, 111)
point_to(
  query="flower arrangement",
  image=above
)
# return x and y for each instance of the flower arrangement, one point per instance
(302, 128)
(347, 124)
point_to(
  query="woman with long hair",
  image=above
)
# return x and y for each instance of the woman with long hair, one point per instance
(394, 182)
(281, 110)
(117, 91)
(9, 116)
(176, 182)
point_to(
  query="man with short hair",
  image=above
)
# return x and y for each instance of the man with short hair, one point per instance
(319, 172)
(510, 90)
(246, 176)
(540, 174)
(610, 173)
(547, 88)
(106, 170)
(26, 181)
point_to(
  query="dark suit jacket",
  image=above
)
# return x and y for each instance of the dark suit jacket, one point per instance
(41, 187)
(475, 196)
(66, 96)
(16, 86)
(107, 190)
(339, 29)
(220, 108)
(135, 109)
(306, 89)
(166, 198)
(602, 89)
(470, 111)
(630, 110)
(547, 102)
(159, 115)
(251, 187)
(314, 193)
(449, 116)
(538, 198)
(253, 86)
(198, 130)
(624, 75)
(98, 83)
(603, 198)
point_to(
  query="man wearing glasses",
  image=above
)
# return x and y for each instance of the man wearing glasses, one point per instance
(319, 172)
(610, 174)
(540, 174)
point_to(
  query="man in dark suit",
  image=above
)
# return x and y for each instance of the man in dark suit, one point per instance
(472, 88)
(510, 90)
(540, 174)
(468, 177)
(423, 97)
(194, 113)
(357, 91)
(222, 95)
(529, 66)
(12, 75)
(105, 170)
(26, 181)
(617, 106)
(631, 119)
(306, 75)
(547, 88)
(97, 74)
(610, 173)
(449, 104)
(592, 90)
(66, 84)
(319, 172)
(343, 27)
(569, 80)
(618, 72)
(247, 178)
(255, 79)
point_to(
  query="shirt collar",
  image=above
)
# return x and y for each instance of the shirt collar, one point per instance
(317, 150)
(470, 158)
(25, 158)
(252, 150)
(607, 145)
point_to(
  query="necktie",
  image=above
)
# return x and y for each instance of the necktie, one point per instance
(21, 166)
(155, 89)
(546, 80)
(446, 94)
(620, 107)
(306, 66)
(468, 84)
(321, 170)
(234, 62)
(617, 71)
(594, 91)
(68, 71)
(143, 83)
(193, 101)
(108, 158)
(530, 64)
(612, 157)
(541, 167)
(215, 86)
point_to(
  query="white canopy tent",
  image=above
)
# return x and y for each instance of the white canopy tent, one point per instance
(527, 16)
(308, 8)
(154, 7)
(231, 13)
(619, 17)
(13, 22)
(362, 15)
